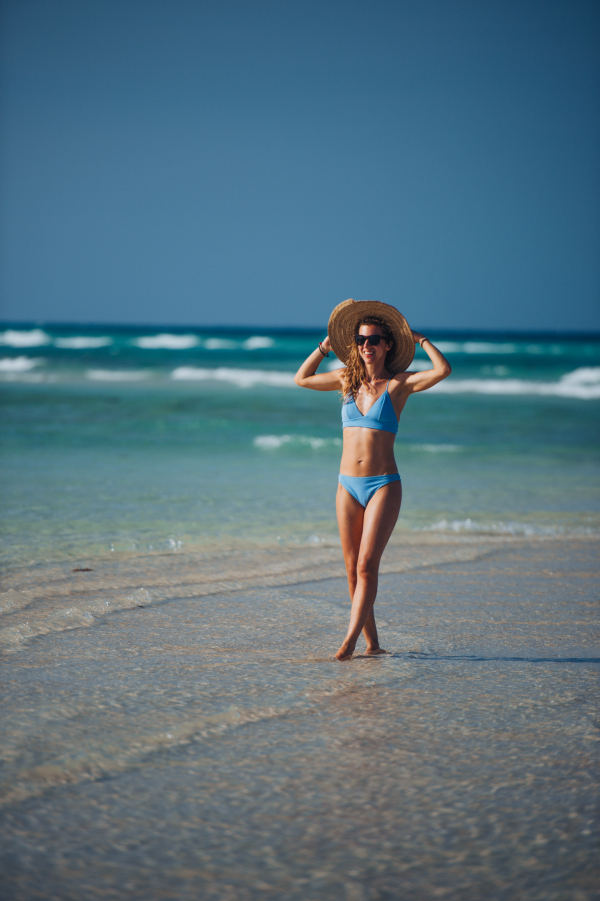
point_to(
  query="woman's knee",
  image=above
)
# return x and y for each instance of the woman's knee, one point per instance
(352, 567)
(367, 567)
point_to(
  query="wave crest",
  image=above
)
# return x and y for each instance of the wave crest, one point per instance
(18, 364)
(166, 342)
(35, 337)
(582, 383)
(273, 442)
(243, 378)
(81, 342)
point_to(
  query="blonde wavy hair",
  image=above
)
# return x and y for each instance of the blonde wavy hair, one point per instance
(354, 374)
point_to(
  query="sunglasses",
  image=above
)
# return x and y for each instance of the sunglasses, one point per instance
(372, 339)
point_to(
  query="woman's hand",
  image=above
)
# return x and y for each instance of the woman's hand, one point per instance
(307, 376)
(427, 378)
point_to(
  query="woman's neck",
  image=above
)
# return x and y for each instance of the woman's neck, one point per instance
(373, 374)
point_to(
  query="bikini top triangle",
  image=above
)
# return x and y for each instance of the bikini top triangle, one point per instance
(380, 416)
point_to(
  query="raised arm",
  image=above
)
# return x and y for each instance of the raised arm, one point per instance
(420, 381)
(307, 376)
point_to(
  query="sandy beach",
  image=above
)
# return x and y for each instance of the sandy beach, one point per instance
(209, 747)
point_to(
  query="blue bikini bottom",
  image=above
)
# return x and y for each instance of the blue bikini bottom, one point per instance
(364, 487)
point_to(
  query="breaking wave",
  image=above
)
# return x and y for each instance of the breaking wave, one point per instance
(506, 528)
(243, 378)
(582, 383)
(116, 375)
(24, 338)
(81, 342)
(166, 342)
(273, 442)
(18, 364)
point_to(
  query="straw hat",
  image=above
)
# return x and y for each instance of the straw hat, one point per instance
(343, 326)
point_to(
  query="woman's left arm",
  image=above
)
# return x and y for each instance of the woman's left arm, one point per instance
(420, 381)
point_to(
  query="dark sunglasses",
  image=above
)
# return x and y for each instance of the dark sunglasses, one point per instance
(372, 339)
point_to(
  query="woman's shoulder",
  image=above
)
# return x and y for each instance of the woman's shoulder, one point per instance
(397, 381)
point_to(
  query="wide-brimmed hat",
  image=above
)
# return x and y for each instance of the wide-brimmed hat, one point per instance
(343, 326)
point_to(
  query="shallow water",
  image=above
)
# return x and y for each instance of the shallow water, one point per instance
(212, 748)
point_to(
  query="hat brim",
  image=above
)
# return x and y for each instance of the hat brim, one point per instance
(343, 324)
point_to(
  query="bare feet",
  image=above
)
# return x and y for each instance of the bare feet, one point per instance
(346, 651)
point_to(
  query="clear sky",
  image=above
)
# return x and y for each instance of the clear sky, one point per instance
(257, 162)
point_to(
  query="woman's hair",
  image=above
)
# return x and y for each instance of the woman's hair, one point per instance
(354, 374)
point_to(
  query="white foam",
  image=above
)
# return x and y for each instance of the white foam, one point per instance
(18, 364)
(115, 375)
(488, 347)
(81, 342)
(273, 442)
(166, 342)
(219, 344)
(243, 378)
(436, 448)
(585, 375)
(583, 384)
(476, 347)
(503, 528)
(257, 342)
(25, 338)
(335, 364)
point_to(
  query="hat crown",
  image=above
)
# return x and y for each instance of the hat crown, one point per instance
(346, 317)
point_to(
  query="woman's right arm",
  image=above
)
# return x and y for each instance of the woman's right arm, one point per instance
(307, 376)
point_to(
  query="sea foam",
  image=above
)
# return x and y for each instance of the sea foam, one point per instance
(582, 383)
(19, 364)
(116, 375)
(24, 338)
(81, 342)
(506, 528)
(243, 378)
(274, 442)
(166, 342)
(257, 342)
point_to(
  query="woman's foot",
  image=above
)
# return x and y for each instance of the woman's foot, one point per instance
(346, 651)
(375, 652)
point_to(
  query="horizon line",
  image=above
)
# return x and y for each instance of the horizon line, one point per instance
(127, 326)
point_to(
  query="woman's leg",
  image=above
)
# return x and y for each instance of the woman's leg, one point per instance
(378, 523)
(350, 516)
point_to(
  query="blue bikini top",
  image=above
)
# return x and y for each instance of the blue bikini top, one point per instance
(381, 415)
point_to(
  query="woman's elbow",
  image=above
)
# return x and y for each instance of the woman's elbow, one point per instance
(299, 380)
(446, 370)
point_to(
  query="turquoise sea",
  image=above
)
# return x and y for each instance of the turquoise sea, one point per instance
(143, 439)
(173, 589)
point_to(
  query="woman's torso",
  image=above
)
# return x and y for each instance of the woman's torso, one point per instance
(369, 451)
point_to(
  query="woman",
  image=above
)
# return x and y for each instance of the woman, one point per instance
(376, 343)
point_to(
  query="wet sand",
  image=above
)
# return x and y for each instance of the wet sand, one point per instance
(210, 747)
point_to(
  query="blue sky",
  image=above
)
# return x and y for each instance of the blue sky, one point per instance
(255, 163)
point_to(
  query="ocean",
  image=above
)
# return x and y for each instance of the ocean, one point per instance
(139, 439)
(144, 451)
(173, 589)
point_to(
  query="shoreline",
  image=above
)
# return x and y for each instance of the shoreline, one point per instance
(47, 598)
(213, 747)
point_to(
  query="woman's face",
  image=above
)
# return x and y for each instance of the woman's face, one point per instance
(368, 352)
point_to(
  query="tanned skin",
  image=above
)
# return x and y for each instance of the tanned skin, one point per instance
(368, 452)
